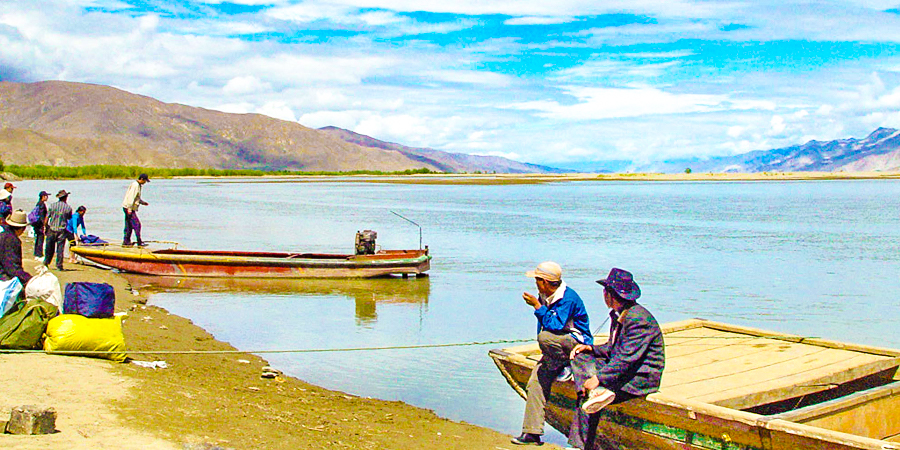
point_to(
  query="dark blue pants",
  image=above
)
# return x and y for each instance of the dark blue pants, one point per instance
(132, 223)
(56, 243)
(583, 432)
(38, 240)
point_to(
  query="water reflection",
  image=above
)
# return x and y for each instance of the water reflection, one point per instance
(367, 293)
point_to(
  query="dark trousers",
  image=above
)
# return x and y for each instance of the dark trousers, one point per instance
(56, 243)
(583, 432)
(38, 240)
(132, 223)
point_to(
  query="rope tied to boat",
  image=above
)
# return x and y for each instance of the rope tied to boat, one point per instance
(360, 349)
(308, 350)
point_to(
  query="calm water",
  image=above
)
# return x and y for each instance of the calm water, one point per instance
(818, 258)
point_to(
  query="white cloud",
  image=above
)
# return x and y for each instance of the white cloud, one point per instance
(278, 110)
(778, 124)
(608, 103)
(245, 85)
(538, 20)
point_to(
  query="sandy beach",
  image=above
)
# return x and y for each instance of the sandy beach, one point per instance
(202, 401)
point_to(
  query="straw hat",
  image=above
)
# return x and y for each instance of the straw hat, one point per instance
(18, 219)
(547, 270)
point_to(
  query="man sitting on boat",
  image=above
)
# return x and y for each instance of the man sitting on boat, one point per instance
(630, 364)
(562, 324)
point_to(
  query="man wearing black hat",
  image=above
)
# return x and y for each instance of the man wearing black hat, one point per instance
(630, 364)
(130, 205)
(40, 224)
(58, 215)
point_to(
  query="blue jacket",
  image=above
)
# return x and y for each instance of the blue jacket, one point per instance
(76, 221)
(566, 314)
(635, 355)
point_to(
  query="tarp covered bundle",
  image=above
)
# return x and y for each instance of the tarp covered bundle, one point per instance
(96, 338)
(23, 325)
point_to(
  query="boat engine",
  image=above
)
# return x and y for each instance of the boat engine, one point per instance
(365, 242)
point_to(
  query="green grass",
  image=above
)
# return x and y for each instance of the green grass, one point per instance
(105, 171)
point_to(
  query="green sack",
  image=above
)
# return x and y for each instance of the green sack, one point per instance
(24, 324)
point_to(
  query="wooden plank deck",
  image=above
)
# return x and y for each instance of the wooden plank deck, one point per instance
(739, 370)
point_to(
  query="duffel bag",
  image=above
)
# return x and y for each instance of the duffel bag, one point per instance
(94, 300)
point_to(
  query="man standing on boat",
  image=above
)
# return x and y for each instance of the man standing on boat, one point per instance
(130, 205)
(630, 364)
(562, 324)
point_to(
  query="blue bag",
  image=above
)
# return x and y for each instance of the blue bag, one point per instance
(34, 217)
(90, 239)
(5, 209)
(94, 300)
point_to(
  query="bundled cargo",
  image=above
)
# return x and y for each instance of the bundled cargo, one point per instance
(23, 326)
(77, 335)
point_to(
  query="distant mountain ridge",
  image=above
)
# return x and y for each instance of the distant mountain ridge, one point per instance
(447, 162)
(879, 151)
(59, 123)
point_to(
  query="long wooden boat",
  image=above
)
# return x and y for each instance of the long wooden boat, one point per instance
(209, 263)
(727, 387)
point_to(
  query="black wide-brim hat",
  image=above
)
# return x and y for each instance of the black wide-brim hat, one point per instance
(622, 283)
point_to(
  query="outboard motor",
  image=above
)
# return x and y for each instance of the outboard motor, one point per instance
(365, 242)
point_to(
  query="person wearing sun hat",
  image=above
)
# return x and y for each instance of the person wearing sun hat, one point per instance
(562, 323)
(629, 365)
(58, 215)
(11, 248)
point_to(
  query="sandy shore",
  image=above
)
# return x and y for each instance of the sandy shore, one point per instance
(203, 401)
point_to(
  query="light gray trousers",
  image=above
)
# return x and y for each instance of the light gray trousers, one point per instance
(555, 349)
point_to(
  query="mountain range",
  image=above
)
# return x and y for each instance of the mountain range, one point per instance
(879, 151)
(60, 123)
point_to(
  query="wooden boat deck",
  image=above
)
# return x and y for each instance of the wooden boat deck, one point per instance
(743, 368)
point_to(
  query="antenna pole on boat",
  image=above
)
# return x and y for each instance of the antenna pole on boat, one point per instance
(410, 221)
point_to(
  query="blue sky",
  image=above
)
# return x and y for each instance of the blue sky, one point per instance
(568, 83)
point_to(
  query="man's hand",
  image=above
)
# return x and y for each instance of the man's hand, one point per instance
(531, 300)
(580, 348)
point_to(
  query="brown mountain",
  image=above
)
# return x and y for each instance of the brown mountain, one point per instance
(72, 124)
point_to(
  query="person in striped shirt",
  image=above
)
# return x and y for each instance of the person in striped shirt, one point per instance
(58, 215)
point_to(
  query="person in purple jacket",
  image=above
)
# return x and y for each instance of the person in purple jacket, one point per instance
(562, 323)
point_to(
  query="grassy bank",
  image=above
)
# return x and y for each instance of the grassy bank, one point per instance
(107, 172)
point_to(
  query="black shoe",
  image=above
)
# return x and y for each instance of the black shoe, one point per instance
(527, 439)
(126, 244)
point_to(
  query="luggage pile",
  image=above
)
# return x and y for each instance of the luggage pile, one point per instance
(86, 327)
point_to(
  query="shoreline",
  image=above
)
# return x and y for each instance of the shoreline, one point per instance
(535, 178)
(203, 401)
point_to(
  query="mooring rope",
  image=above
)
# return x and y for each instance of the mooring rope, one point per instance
(789, 338)
(308, 350)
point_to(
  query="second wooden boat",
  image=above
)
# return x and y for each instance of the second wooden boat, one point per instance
(211, 263)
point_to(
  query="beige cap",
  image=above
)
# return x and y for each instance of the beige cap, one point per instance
(547, 270)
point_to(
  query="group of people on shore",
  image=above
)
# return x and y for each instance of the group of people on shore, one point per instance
(628, 365)
(55, 225)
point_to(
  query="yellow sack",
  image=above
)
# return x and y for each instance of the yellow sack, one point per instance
(71, 332)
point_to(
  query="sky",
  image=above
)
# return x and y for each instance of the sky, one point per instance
(566, 83)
